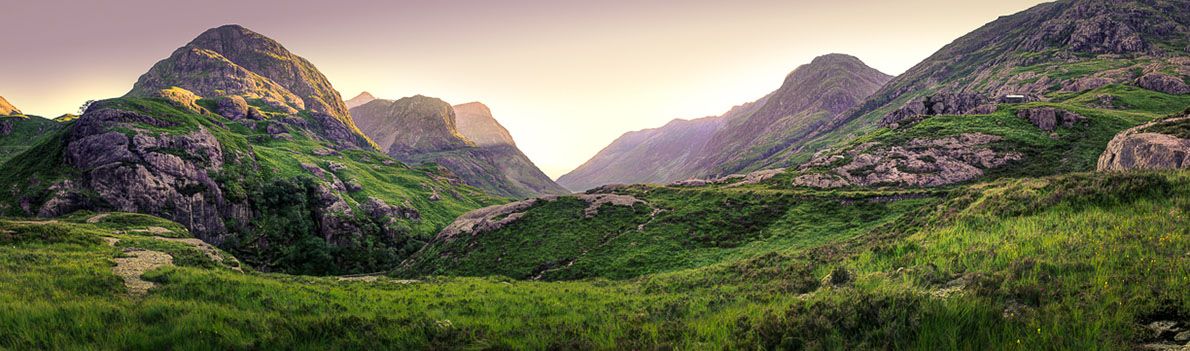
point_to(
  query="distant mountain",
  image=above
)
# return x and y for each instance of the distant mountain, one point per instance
(234, 62)
(250, 148)
(473, 147)
(7, 109)
(757, 135)
(358, 100)
(658, 155)
(475, 122)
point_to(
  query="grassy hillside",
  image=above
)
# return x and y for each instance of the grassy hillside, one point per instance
(270, 174)
(1080, 261)
(18, 133)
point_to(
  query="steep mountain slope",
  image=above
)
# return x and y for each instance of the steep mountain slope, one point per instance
(1057, 48)
(262, 165)
(1081, 71)
(234, 61)
(659, 155)
(810, 96)
(422, 129)
(19, 133)
(7, 109)
(758, 135)
(359, 100)
(475, 122)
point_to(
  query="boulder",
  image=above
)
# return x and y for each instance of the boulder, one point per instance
(1137, 148)
(1049, 118)
(1163, 83)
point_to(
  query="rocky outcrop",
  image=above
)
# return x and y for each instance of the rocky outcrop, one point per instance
(234, 61)
(1049, 118)
(1163, 83)
(422, 129)
(1047, 48)
(234, 107)
(486, 219)
(360, 100)
(733, 180)
(920, 162)
(7, 109)
(1142, 148)
(167, 175)
(939, 104)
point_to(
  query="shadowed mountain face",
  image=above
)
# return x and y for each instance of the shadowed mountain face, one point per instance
(757, 135)
(232, 61)
(7, 109)
(359, 100)
(463, 139)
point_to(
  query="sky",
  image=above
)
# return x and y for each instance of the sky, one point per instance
(564, 77)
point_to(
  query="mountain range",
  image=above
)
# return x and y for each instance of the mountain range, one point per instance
(465, 140)
(753, 136)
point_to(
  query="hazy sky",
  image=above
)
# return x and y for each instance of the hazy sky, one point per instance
(565, 77)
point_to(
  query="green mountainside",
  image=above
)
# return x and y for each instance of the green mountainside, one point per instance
(283, 188)
(938, 213)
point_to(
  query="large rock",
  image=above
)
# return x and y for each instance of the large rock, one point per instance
(939, 104)
(920, 162)
(1163, 83)
(1049, 118)
(1138, 148)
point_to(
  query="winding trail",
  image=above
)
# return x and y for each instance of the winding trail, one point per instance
(138, 262)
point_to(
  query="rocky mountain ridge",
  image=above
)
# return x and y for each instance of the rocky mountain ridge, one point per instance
(7, 109)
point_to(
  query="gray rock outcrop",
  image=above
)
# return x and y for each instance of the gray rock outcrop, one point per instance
(1139, 148)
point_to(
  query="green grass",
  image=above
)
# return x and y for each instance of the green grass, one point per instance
(265, 175)
(1080, 260)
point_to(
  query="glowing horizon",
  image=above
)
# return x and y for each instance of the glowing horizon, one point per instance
(564, 77)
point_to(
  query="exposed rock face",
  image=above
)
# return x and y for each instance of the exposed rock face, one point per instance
(733, 179)
(161, 174)
(920, 162)
(421, 129)
(1030, 52)
(1139, 148)
(1048, 118)
(475, 122)
(763, 134)
(940, 104)
(234, 107)
(486, 219)
(1163, 83)
(234, 61)
(360, 100)
(7, 109)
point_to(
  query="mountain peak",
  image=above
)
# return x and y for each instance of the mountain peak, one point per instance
(359, 100)
(836, 58)
(7, 109)
(234, 61)
(475, 121)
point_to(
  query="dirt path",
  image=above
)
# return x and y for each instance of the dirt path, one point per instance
(96, 218)
(206, 249)
(136, 264)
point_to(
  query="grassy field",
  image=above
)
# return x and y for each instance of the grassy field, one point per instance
(1077, 261)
